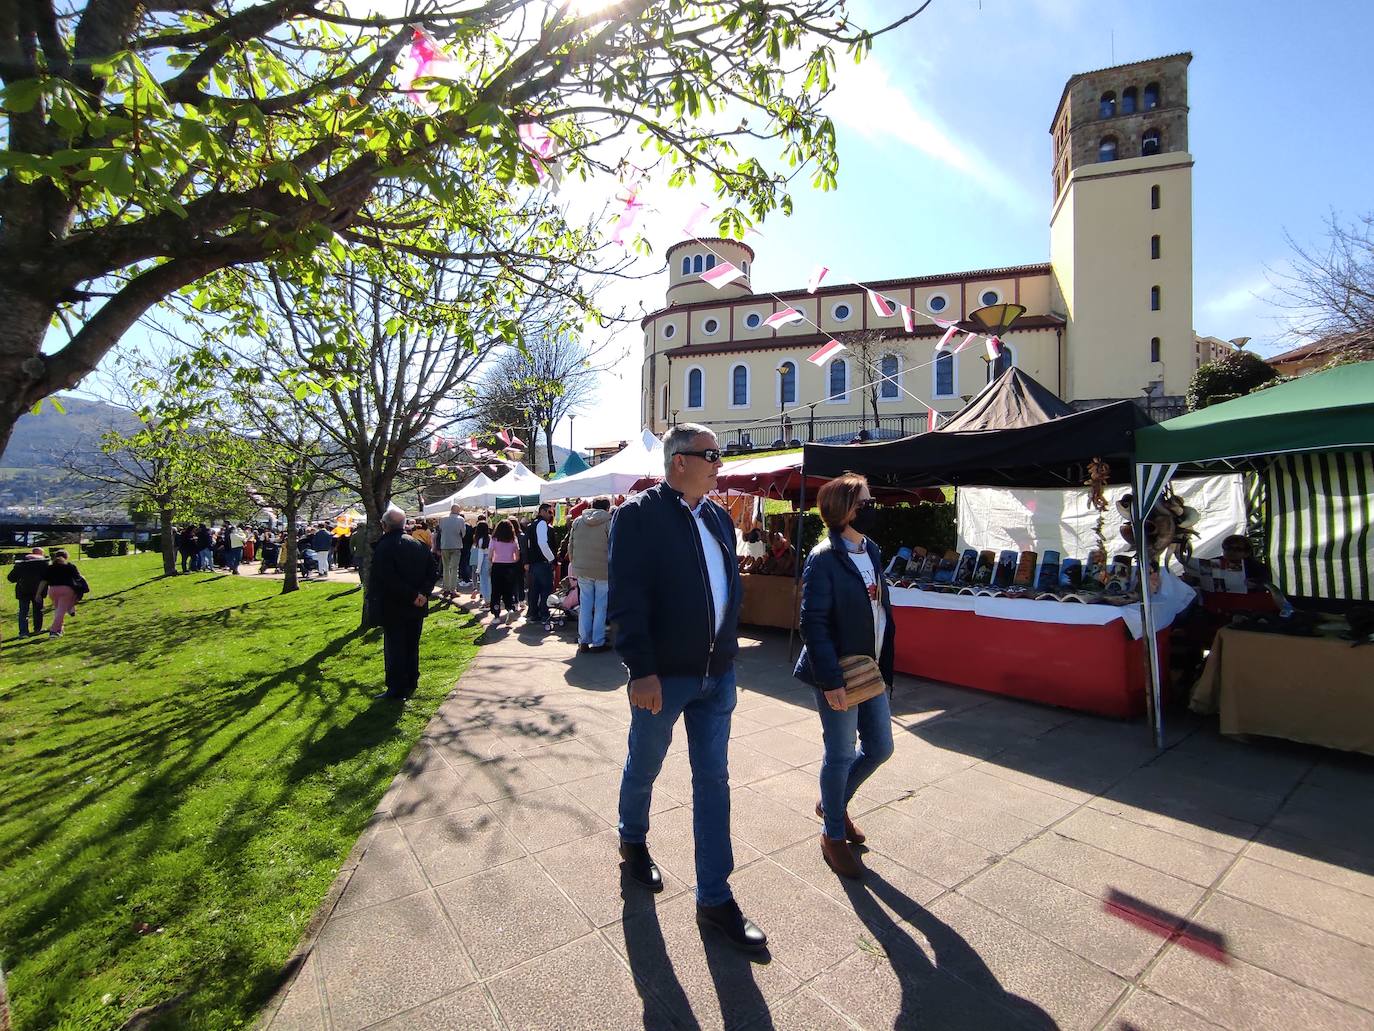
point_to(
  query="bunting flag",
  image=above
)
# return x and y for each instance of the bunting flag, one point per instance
(932, 418)
(422, 58)
(721, 275)
(968, 339)
(782, 318)
(994, 348)
(944, 340)
(908, 322)
(540, 143)
(694, 221)
(629, 213)
(513, 441)
(940, 322)
(831, 348)
(817, 274)
(435, 443)
(472, 445)
(881, 305)
(504, 435)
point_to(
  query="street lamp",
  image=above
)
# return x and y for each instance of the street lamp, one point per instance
(782, 401)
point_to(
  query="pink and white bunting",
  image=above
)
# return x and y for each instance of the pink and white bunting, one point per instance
(693, 223)
(994, 348)
(881, 305)
(944, 340)
(908, 322)
(968, 339)
(817, 274)
(783, 318)
(932, 418)
(832, 348)
(722, 275)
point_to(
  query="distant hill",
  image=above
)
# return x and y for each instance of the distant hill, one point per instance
(39, 441)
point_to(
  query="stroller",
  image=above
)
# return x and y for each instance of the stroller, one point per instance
(563, 603)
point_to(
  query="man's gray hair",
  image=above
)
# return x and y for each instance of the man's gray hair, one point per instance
(393, 518)
(679, 439)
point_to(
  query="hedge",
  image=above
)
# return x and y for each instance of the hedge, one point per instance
(106, 549)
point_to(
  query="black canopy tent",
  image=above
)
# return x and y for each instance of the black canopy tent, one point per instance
(1015, 433)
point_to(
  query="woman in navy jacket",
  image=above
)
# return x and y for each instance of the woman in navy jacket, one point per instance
(846, 610)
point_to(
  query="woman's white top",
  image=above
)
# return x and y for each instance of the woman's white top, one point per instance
(864, 565)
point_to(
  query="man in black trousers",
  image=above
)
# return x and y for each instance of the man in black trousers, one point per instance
(403, 575)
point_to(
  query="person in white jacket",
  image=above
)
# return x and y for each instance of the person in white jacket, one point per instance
(588, 544)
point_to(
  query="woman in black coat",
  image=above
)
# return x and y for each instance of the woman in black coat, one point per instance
(846, 610)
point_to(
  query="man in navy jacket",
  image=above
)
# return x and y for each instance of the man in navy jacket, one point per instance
(674, 600)
(403, 575)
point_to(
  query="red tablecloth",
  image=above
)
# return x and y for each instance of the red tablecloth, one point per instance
(1097, 669)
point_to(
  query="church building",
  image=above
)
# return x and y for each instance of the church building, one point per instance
(1109, 316)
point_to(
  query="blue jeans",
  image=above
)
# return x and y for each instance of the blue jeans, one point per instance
(591, 611)
(705, 705)
(232, 558)
(843, 770)
(541, 586)
(483, 557)
(206, 559)
(27, 605)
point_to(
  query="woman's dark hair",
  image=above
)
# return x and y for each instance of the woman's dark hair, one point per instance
(482, 519)
(602, 503)
(503, 532)
(837, 499)
(59, 553)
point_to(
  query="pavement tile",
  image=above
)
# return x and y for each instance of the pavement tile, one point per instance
(1179, 857)
(973, 944)
(569, 760)
(701, 979)
(415, 797)
(583, 986)
(302, 1009)
(1025, 803)
(548, 817)
(1345, 771)
(806, 1011)
(1080, 923)
(1318, 860)
(457, 844)
(468, 741)
(807, 930)
(765, 824)
(588, 872)
(601, 794)
(672, 843)
(468, 1009)
(388, 958)
(780, 714)
(1219, 832)
(510, 914)
(919, 762)
(1333, 816)
(1048, 764)
(1243, 997)
(907, 891)
(973, 820)
(796, 789)
(748, 764)
(613, 744)
(1189, 797)
(1145, 1011)
(501, 778)
(916, 701)
(1098, 873)
(1315, 902)
(387, 870)
(920, 846)
(1318, 959)
(791, 749)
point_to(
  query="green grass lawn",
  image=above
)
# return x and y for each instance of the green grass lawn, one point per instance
(183, 774)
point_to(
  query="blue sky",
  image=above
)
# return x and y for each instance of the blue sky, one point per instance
(945, 150)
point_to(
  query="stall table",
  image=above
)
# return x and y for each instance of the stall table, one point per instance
(768, 601)
(1318, 690)
(1084, 657)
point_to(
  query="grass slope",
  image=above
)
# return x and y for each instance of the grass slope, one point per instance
(183, 774)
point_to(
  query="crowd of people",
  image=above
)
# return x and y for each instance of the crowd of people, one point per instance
(320, 547)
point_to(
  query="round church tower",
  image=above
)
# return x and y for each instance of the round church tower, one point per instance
(690, 258)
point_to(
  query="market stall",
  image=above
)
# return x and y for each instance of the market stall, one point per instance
(641, 458)
(463, 497)
(1311, 443)
(1018, 434)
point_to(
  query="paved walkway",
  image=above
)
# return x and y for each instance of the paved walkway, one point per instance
(1029, 868)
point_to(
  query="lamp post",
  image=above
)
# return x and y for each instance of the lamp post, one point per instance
(782, 401)
(571, 417)
(992, 320)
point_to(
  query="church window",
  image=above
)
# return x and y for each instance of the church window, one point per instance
(1128, 96)
(1151, 96)
(1154, 247)
(1106, 149)
(990, 297)
(669, 331)
(1154, 198)
(1154, 349)
(752, 320)
(686, 264)
(710, 326)
(938, 302)
(710, 261)
(1106, 106)
(1150, 143)
(944, 374)
(892, 368)
(694, 388)
(696, 263)
(1154, 298)
(787, 383)
(739, 386)
(840, 312)
(839, 380)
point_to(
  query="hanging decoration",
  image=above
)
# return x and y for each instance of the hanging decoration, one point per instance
(721, 275)
(817, 274)
(831, 348)
(881, 305)
(783, 318)
(944, 340)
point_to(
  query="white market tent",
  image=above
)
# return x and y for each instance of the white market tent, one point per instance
(468, 495)
(640, 458)
(519, 488)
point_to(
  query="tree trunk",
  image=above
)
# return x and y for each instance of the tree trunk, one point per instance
(169, 542)
(22, 365)
(548, 447)
(362, 556)
(290, 581)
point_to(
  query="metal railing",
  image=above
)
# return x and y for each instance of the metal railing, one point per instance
(752, 434)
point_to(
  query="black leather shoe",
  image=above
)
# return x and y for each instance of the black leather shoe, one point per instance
(726, 918)
(640, 865)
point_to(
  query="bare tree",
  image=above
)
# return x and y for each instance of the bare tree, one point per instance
(869, 348)
(1330, 291)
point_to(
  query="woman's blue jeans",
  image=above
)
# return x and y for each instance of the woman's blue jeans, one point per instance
(843, 768)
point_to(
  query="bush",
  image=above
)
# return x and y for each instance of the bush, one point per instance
(105, 549)
(9, 556)
(153, 543)
(1230, 376)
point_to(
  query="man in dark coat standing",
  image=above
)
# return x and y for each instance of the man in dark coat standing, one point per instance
(402, 577)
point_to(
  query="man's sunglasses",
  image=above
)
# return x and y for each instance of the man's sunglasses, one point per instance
(711, 454)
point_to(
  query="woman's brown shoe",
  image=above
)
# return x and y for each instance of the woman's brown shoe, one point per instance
(852, 834)
(840, 858)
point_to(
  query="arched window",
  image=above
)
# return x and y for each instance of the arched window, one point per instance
(839, 381)
(710, 261)
(1128, 100)
(1154, 247)
(1154, 298)
(1154, 349)
(944, 374)
(696, 263)
(744, 267)
(686, 264)
(665, 401)
(1151, 96)
(739, 386)
(1106, 107)
(695, 390)
(1106, 149)
(1154, 198)
(1006, 358)
(787, 383)
(1150, 143)
(892, 370)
